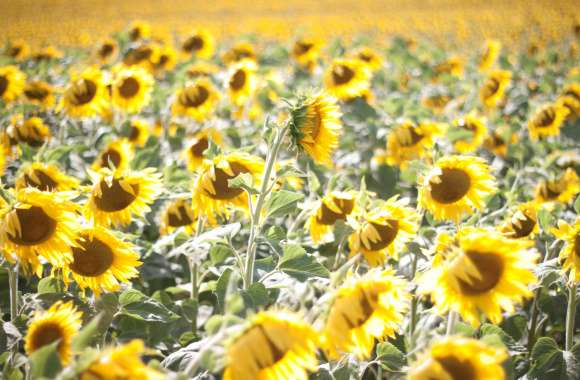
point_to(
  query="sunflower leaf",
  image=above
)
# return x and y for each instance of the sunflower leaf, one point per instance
(45, 362)
(298, 264)
(87, 335)
(390, 357)
(548, 361)
(282, 202)
(243, 181)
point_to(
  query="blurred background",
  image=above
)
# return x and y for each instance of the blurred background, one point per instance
(73, 22)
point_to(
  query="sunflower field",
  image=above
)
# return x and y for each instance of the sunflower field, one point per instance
(195, 206)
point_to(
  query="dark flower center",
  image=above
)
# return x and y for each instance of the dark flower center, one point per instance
(328, 217)
(83, 92)
(92, 258)
(193, 43)
(3, 84)
(490, 87)
(238, 80)
(490, 268)
(545, 118)
(106, 50)
(387, 232)
(523, 228)
(45, 335)
(46, 183)
(179, 217)
(407, 136)
(36, 93)
(199, 147)
(137, 55)
(453, 185)
(129, 88)
(36, 226)
(220, 184)
(458, 369)
(115, 198)
(194, 96)
(110, 156)
(365, 308)
(342, 74)
(301, 48)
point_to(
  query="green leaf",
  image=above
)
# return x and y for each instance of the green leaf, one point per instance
(488, 329)
(577, 205)
(222, 287)
(131, 295)
(87, 335)
(282, 202)
(296, 263)
(243, 181)
(149, 310)
(189, 308)
(45, 362)
(457, 134)
(218, 253)
(390, 357)
(548, 361)
(259, 294)
(545, 219)
(50, 285)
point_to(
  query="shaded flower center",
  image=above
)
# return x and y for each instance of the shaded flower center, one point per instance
(364, 310)
(238, 80)
(489, 267)
(342, 74)
(328, 217)
(179, 217)
(522, 225)
(36, 226)
(14, 51)
(134, 133)
(3, 84)
(275, 353)
(194, 96)
(193, 43)
(387, 232)
(490, 87)
(199, 147)
(301, 48)
(456, 368)
(106, 50)
(115, 198)
(129, 87)
(220, 183)
(92, 258)
(551, 189)
(407, 136)
(36, 93)
(83, 92)
(47, 333)
(573, 94)
(545, 118)
(137, 55)
(453, 185)
(46, 183)
(110, 156)
(135, 34)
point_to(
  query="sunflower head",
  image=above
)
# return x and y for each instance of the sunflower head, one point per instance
(562, 189)
(570, 253)
(86, 95)
(178, 213)
(164, 58)
(483, 272)
(45, 177)
(490, 54)
(523, 223)
(139, 30)
(194, 153)
(493, 89)
(17, 50)
(369, 57)
(241, 82)
(141, 55)
(117, 154)
(570, 99)
(275, 345)
(201, 69)
(347, 79)
(547, 121)
(138, 132)
(107, 50)
(436, 102)
(364, 309)
(198, 100)
(199, 44)
(39, 93)
(498, 140)
(476, 130)
(11, 83)
(31, 131)
(409, 141)
(450, 66)
(456, 186)
(241, 51)
(315, 126)
(335, 206)
(48, 53)
(131, 89)
(455, 358)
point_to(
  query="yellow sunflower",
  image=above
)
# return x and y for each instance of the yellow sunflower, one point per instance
(275, 345)
(39, 93)
(101, 261)
(11, 83)
(484, 272)
(45, 177)
(455, 186)
(197, 100)
(450, 66)
(201, 69)
(498, 141)
(39, 224)
(142, 55)
(107, 50)
(48, 53)
(490, 54)
(117, 154)
(200, 44)
(547, 121)
(17, 50)
(241, 51)
(139, 30)
(212, 194)
(523, 223)
(178, 213)
(316, 126)
(563, 189)
(131, 89)
(364, 310)
(306, 52)
(138, 132)
(436, 102)
(122, 362)
(384, 231)
(241, 82)
(459, 358)
(369, 57)
(31, 131)
(477, 130)
(61, 322)
(570, 254)
(570, 99)
(193, 154)
(334, 206)
(86, 95)
(164, 58)
(347, 79)
(493, 89)
(409, 141)
(118, 196)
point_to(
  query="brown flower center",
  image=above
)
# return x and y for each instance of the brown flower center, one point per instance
(3, 84)
(238, 80)
(577, 245)
(222, 190)
(365, 309)
(14, 51)
(179, 217)
(456, 368)
(129, 87)
(490, 87)
(545, 118)
(92, 258)
(110, 156)
(106, 50)
(193, 43)
(137, 55)
(114, 198)
(328, 217)
(407, 136)
(453, 185)
(522, 227)
(134, 133)
(45, 335)
(46, 183)
(194, 96)
(301, 48)
(573, 94)
(551, 189)
(83, 92)
(36, 93)
(36, 226)
(135, 34)
(276, 353)
(387, 232)
(199, 147)
(489, 267)
(342, 74)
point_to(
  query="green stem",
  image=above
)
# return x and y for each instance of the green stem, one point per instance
(451, 319)
(533, 321)
(255, 222)
(194, 273)
(414, 301)
(570, 316)
(13, 284)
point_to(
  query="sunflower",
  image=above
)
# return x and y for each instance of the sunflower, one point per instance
(241, 82)
(347, 79)
(365, 309)
(563, 189)
(570, 254)
(101, 261)
(211, 192)
(455, 186)
(275, 345)
(316, 126)
(201, 69)
(476, 129)
(86, 95)
(490, 54)
(547, 121)
(45, 177)
(31, 131)
(459, 358)
(107, 50)
(523, 223)
(17, 50)
(11, 83)
(306, 52)
(132, 89)
(142, 55)
(39, 224)
(335, 206)
(498, 141)
(369, 57)
(197, 100)
(384, 231)
(570, 98)
(138, 132)
(409, 141)
(193, 154)
(118, 196)
(61, 322)
(117, 154)
(450, 66)
(139, 30)
(39, 93)
(239, 52)
(178, 213)
(436, 102)
(122, 362)
(48, 53)
(493, 89)
(200, 44)
(483, 272)
(164, 58)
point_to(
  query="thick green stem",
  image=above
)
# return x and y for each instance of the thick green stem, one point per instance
(533, 321)
(194, 274)
(570, 316)
(13, 284)
(451, 319)
(414, 301)
(255, 224)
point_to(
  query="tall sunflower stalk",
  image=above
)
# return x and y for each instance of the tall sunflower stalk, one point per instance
(570, 316)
